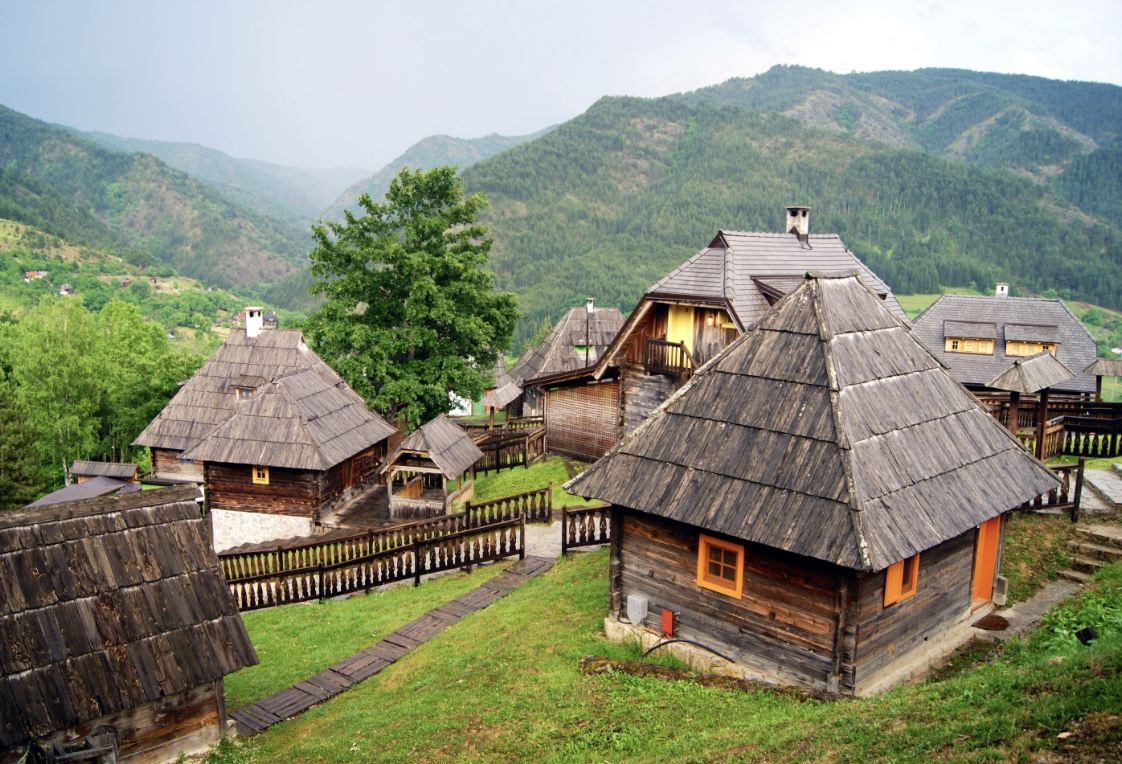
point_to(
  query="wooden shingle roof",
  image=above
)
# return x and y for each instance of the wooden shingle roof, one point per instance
(209, 397)
(304, 420)
(1033, 374)
(1105, 367)
(89, 489)
(502, 396)
(557, 351)
(1028, 319)
(447, 446)
(826, 430)
(106, 605)
(108, 469)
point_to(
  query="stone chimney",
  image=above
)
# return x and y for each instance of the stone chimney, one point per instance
(254, 321)
(1002, 290)
(798, 221)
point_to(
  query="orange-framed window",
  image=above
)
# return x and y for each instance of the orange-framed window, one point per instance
(261, 475)
(720, 566)
(900, 580)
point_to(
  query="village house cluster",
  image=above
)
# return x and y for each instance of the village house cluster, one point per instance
(797, 478)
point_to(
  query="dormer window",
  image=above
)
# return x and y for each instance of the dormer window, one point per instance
(969, 345)
(244, 393)
(1029, 348)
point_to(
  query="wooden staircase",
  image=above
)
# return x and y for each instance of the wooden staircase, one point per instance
(1096, 547)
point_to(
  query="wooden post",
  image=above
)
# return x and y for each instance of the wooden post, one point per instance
(549, 503)
(522, 536)
(564, 531)
(1098, 388)
(321, 591)
(1078, 491)
(615, 565)
(220, 700)
(526, 451)
(416, 561)
(491, 424)
(1042, 423)
(1014, 411)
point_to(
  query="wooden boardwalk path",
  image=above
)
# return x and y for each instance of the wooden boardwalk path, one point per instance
(328, 683)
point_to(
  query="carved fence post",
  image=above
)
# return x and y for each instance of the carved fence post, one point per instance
(416, 561)
(522, 536)
(1078, 491)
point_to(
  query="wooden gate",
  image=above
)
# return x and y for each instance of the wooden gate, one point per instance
(583, 421)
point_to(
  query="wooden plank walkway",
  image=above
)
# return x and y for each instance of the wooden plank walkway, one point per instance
(328, 683)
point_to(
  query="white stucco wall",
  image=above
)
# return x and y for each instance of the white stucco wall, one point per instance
(234, 528)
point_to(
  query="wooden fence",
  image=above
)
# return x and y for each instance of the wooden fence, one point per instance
(1092, 437)
(1053, 438)
(668, 357)
(585, 526)
(535, 506)
(506, 449)
(418, 558)
(475, 426)
(1067, 496)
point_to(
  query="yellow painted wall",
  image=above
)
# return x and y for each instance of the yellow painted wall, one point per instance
(680, 325)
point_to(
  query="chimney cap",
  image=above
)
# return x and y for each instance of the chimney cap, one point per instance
(797, 207)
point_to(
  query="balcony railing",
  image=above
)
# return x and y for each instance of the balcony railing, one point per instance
(663, 357)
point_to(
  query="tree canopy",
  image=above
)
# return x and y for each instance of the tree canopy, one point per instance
(412, 316)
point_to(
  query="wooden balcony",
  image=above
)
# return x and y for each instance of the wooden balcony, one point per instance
(672, 358)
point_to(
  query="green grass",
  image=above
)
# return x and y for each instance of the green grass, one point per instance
(914, 304)
(511, 482)
(504, 686)
(1035, 551)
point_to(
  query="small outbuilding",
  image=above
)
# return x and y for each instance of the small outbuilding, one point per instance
(821, 503)
(432, 469)
(1035, 375)
(1103, 367)
(86, 489)
(82, 471)
(116, 627)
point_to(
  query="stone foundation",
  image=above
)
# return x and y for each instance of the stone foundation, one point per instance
(231, 528)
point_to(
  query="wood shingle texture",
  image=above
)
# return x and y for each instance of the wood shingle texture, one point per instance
(826, 430)
(448, 447)
(306, 420)
(557, 352)
(106, 469)
(89, 489)
(1005, 319)
(209, 397)
(1033, 374)
(107, 605)
(502, 397)
(1105, 367)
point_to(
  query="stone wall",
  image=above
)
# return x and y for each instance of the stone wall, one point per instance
(231, 528)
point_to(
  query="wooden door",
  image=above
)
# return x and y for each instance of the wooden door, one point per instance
(985, 557)
(346, 470)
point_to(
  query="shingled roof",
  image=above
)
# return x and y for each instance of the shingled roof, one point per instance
(209, 397)
(305, 420)
(1105, 367)
(445, 444)
(1024, 319)
(502, 396)
(108, 469)
(106, 605)
(1033, 374)
(745, 268)
(89, 489)
(826, 430)
(557, 352)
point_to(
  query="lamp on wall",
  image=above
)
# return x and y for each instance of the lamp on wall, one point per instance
(709, 319)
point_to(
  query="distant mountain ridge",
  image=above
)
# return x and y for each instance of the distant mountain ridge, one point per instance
(433, 151)
(294, 195)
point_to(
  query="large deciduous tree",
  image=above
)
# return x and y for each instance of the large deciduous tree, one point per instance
(21, 470)
(412, 315)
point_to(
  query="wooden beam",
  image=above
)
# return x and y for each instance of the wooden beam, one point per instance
(1041, 423)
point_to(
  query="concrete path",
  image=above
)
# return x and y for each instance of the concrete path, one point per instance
(1107, 484)
(1025, 616)
(295, 700)
(545, 540)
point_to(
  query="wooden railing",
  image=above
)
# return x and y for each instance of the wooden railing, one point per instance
(1093, 437)
(535, 506)
(419, 506)
(585, 526)
(1053, 438)
(1067, 496)
(475, 426)
(506, 449)
(361, 573)
(663, 357)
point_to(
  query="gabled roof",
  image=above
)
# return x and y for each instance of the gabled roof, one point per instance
(826, 430)
(90, 489)
(739, 268)
(445, 444)
(1025, 319)
(305, 420)
(1033, 374)
(1105, 367)
(106, 605)
(556, 353)
(209, 397)
(502, 396)
(108, 469)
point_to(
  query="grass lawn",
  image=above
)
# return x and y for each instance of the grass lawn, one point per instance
(914, 304)
(518, 480)
(504, 686)
(1035, 550)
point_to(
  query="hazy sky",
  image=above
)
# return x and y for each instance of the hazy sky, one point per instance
(349, 83)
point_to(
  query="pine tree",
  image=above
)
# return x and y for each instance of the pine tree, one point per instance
(21, 472)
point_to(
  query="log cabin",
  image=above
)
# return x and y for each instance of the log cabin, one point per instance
(821, 503)
(418, 471)
(301, 446)
(682, 322)
(251, 356)
(115, 618)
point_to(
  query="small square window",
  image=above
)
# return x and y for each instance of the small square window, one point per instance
(261, 475)
(720, 566)
(900, 580)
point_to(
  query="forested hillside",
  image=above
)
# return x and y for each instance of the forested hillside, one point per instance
(292, 194)
(434, 151)
(609, 202)
(140, 203)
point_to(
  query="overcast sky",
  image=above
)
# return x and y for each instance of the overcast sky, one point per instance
(349, 83)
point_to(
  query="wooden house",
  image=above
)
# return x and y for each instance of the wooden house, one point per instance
(301, 446)
(83, 471)
(578, 340)
(683, 321)
(978, 337)
(822, 502)
(250, 357)
(115, 619)
(432, 469)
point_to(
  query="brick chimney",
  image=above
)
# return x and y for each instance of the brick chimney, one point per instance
(798, 221)
(253, 321)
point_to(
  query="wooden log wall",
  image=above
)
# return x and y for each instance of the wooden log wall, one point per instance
(942, 597)
(166, 464)
(784, 626)
(641, 393)
(654, 325)
(709, 340)
(583, 421)
(295, 493)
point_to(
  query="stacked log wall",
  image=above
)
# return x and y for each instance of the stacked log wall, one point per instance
(166, 464)
(290, 492)
(640, 394)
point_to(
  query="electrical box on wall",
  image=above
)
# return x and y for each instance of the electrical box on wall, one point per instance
(636, 609)
(668, 622)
